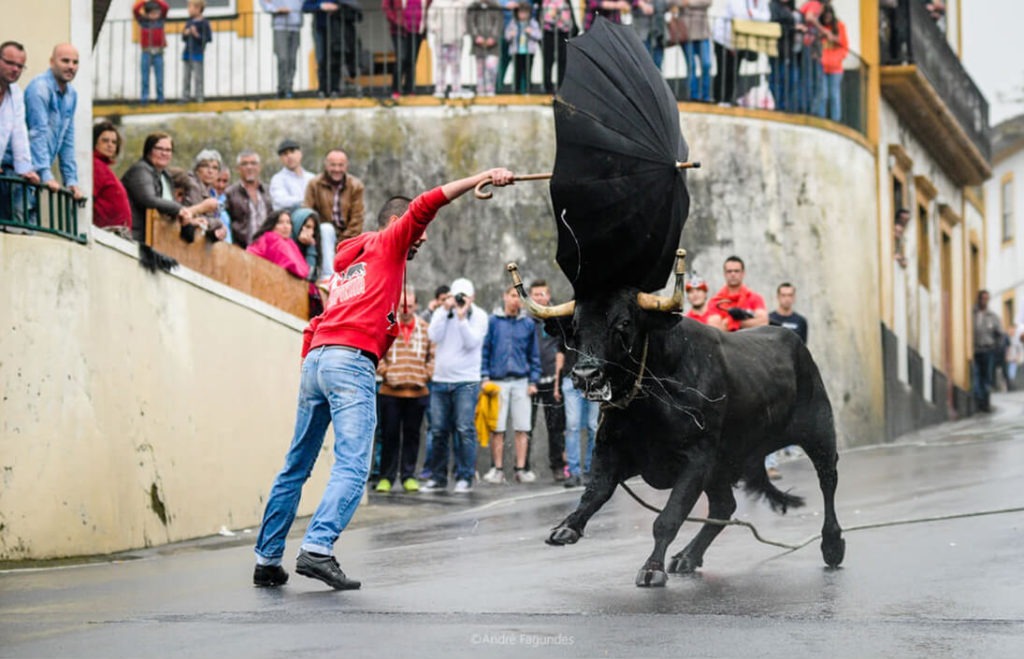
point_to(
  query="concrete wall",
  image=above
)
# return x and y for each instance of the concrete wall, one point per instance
(137, 409)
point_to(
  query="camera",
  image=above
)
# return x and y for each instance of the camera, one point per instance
(460, 299)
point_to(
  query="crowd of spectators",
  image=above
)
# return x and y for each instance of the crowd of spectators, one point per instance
(804, 53)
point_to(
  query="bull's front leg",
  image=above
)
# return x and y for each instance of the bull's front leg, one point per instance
(605, 476)
(684, 496)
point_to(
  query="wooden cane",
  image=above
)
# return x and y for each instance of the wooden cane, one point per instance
(480, 194)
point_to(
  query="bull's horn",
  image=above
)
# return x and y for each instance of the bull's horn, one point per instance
(660, 302)
(537, 310)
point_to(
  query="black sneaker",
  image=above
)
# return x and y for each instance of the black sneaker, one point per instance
(326, 569)
(269, 575)
(573, 481)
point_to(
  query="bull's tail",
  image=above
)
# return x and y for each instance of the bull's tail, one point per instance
(757, 483)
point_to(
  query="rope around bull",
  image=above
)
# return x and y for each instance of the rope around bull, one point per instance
(859, 527)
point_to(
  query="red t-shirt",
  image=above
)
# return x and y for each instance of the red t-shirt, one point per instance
(744, 299)
(709, 312)
(366, 288)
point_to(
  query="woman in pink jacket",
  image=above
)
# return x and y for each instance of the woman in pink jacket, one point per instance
(273, 241)
(834, 48)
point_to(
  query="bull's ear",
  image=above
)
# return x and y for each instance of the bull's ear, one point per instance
(657, 321)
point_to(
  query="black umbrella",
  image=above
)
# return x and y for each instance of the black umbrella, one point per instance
(619, 197)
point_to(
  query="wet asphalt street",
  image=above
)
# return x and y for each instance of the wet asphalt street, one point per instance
(447, 576)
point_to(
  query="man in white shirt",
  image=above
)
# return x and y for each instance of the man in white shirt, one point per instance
(458, 328)
(288, 186)
(13, 130)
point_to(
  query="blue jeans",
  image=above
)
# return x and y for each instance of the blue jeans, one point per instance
(983, 376)
(785, 83)
(812, 94)
(156, 61)
(833, 89)
(577, 410)
(656, 49)
(337, 387)
(453, 411)
(693, 50)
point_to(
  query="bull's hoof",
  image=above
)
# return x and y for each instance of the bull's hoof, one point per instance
(833, 551)
(683, 563)
(651, 578)
(563, 535)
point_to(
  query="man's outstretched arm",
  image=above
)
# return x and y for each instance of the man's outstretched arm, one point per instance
(499, 176)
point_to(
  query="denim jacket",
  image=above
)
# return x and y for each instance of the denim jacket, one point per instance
(50, 115)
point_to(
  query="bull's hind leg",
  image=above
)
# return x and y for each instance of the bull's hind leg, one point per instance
(666, 525)
(721, 505)
(822, 453)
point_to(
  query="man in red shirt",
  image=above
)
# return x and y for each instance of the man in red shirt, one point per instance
(740, 307)
(700, 310)
(340, 350)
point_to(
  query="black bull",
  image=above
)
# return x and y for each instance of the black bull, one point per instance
(693, 409)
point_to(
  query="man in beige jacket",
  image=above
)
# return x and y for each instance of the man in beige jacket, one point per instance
(337, 197)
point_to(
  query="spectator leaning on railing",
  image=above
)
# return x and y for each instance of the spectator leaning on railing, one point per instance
(149, 186)
(206, 169)
(287, 25)
(189, 191)
(151, 15)
(50, 104)
(110, 209)
(13, 130)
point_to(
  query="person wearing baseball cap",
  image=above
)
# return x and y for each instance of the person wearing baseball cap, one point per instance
(697, 295)
(288, 186)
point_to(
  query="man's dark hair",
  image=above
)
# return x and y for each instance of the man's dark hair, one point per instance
(538, 283)
(151, 140)
(105, 127)
(11, 44)
(736, 259)
(900, 212)
(784, 284)
(441, 290)
(396, 206)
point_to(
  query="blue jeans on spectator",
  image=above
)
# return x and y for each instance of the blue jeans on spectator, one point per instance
(834, 92)
(337, 387)
(785, 83)
(983, 376)
(578, 410)
(812, 96)
(452, 415)
(156, 62)
(702, 50)
(656, 48)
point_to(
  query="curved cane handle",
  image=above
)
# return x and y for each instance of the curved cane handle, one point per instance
(478, 190)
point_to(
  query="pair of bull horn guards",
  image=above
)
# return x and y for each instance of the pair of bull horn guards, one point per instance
(647, 301)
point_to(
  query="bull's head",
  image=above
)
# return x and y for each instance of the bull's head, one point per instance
(607, 333)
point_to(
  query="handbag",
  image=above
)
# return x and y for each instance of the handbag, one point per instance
(676, 30)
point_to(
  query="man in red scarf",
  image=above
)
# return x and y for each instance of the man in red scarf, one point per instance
(740, 307)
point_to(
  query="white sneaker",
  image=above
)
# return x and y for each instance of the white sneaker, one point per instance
(462, 487)
(526, 476)
(495, 476)
(431, 486)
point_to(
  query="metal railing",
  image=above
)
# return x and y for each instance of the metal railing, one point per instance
(38, 208)
(363, 58)
(909, 35)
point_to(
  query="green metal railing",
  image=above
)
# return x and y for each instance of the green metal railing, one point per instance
(37, 208)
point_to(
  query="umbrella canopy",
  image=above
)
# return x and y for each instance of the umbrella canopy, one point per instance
(620, 202)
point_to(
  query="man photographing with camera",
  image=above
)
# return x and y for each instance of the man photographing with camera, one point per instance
(458, 328)
(739, 306)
